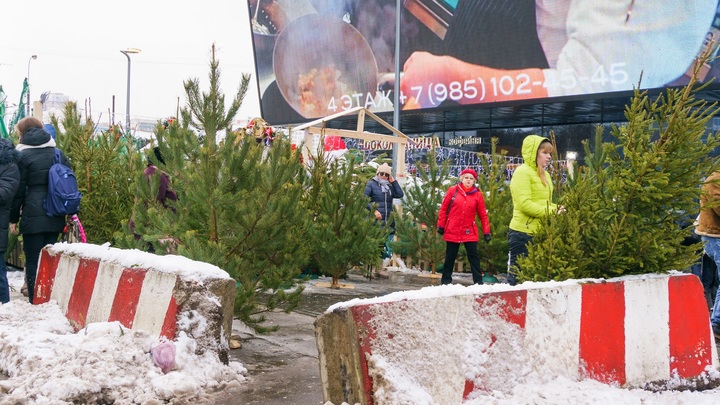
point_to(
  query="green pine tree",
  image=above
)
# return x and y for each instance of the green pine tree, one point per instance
(101, 162)
(341, 232)
(494, 185)
(237, 202)
(416, 227)
(624, 210)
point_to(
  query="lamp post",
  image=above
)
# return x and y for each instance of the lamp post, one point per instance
(127, 53)
(27, 114)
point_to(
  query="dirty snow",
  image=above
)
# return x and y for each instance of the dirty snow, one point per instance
(46, 363)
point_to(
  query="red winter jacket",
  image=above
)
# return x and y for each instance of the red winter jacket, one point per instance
(460, 225)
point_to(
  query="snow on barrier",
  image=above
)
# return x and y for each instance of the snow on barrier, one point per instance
(161, 295)
(448, 344)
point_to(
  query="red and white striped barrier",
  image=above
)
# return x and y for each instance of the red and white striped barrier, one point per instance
(450, 343)
(140, 290)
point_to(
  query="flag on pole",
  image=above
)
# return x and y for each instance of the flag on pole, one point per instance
(20, 112)
(3, 129)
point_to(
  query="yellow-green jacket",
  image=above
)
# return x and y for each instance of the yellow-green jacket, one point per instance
(531, 199)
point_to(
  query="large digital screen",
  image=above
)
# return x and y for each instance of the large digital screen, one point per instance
(320, 57)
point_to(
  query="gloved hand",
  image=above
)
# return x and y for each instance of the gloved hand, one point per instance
(487, 238)
(441, 231)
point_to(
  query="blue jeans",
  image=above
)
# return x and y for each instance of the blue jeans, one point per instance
(712, 249)
(4, 286)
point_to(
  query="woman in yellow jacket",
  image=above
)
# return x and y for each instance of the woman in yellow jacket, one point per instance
(531, 191)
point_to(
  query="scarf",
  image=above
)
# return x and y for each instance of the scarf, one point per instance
(384, 184)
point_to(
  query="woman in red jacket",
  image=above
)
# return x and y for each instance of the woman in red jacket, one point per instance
(456, 222)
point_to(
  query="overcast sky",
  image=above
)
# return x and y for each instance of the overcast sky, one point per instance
(78, 43)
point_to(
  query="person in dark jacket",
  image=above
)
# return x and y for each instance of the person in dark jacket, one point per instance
(9, 180)
(382, 189)
(463, 202)
(37, 150)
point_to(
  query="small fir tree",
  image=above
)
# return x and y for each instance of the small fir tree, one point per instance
(623, 212)
(341, 231)
(416, 228)
(101, 162)
(237, 202)
(494, 184)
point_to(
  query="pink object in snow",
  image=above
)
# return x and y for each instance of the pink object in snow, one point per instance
(163, 356)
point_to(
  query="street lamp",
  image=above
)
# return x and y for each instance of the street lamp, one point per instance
(28, 83)
(127, 53)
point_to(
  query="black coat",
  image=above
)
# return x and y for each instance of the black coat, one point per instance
(9, 180)
(37, 150)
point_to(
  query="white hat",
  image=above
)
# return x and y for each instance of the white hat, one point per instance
(384, 168)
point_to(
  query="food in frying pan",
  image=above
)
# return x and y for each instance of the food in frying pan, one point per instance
(317, 88)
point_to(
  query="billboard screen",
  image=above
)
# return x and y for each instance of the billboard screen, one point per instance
(319, 57)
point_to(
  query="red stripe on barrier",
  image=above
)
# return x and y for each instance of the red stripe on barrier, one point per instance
(127, 296)
(510, 306)
(169, 328)
(690, 343)
(45, 279)
(602, 332)
(82, 292)
(366, 334)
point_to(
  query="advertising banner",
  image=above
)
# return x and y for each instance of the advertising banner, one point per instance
(319, 57)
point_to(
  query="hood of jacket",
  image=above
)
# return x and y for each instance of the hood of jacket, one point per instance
(8, 153)
(35, 137)
(530, 146)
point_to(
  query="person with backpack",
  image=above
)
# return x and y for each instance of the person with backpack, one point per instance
(37, 155)
(9, 180)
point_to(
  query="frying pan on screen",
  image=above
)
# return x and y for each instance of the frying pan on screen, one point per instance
(320, 58)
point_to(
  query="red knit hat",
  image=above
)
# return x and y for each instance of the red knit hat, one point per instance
(469, 171)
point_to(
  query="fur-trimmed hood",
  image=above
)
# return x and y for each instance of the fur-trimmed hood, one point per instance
(8, 153)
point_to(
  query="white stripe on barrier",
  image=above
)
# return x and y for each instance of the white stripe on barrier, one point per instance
(154, 301)
(64, 280)
(647, 331)
(104, 291)
(547, 311)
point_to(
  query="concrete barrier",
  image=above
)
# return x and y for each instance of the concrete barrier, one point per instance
(447, 344)
(162, 295)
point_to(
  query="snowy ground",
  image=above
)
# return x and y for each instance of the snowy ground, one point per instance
(45, 363)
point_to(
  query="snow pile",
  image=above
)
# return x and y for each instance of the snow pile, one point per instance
(103, 363)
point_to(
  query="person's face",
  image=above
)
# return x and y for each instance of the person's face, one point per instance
(543, 157)
(467, 180)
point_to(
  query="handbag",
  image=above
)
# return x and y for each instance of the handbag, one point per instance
(73, 231)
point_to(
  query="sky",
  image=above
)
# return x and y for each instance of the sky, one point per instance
(47, 363)
(78, 45)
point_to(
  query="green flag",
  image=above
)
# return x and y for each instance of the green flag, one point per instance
(3, 128)
(20, 112)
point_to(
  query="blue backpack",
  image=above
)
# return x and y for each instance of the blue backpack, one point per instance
(63, 196)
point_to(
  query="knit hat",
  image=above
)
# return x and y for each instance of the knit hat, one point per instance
(469, 171)
(384, 168)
